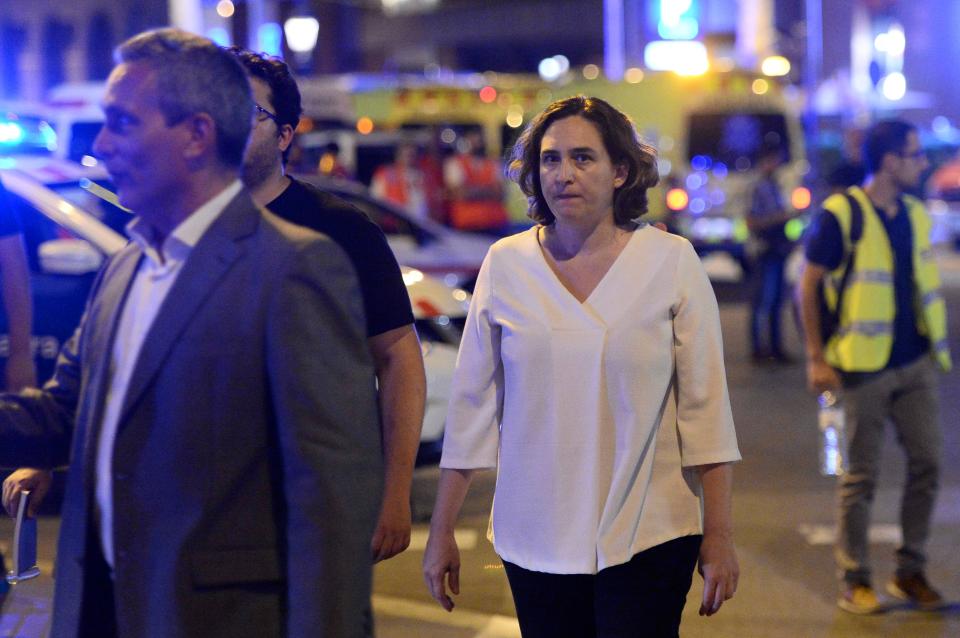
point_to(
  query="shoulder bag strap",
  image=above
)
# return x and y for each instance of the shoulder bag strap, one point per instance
(856, 231)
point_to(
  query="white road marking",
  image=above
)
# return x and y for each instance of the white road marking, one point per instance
(501, 627)
(485, 625)
(881, 533)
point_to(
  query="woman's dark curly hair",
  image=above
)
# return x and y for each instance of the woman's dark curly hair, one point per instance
(622, 145)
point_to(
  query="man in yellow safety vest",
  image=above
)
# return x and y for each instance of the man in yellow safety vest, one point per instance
(889, 341)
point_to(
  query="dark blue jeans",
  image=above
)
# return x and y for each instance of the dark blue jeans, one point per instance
(767, 302)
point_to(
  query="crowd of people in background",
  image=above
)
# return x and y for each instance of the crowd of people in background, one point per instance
(458, 185)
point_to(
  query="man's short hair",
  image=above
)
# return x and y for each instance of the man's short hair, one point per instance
(284, 93)
(194, 75)
(888, 136)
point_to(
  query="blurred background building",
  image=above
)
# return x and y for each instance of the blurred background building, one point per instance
(44, 43)
(868, 55)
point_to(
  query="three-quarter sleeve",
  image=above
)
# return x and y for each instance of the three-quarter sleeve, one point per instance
(472, 433)
(704, 418)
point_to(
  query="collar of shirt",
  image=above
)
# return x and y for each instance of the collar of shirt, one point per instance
(178, 244)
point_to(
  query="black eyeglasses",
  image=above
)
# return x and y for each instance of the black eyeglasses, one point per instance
(266, 113)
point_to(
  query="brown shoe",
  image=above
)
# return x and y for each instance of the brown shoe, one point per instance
(917, 590)
(858, 599)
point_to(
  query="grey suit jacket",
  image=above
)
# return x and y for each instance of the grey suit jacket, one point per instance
(247, 465)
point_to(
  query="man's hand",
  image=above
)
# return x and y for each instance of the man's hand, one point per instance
(20, 372)
(441, 564)
(37, 482)
(393, 530)
(720, 570)
(821, 376)
(403, 390)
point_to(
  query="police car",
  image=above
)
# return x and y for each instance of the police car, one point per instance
(69, 231)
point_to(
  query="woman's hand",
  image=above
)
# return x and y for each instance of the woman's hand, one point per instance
(718, 558)
(720, 570)
(441, 563)
(441, 559)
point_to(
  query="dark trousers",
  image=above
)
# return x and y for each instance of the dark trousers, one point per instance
(767, 301)
(98, 613)
(642, 598)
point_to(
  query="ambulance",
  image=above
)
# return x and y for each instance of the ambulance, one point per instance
(708, 130)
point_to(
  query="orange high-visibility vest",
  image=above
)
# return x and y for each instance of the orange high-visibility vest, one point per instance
(395, 186)
(482, 214)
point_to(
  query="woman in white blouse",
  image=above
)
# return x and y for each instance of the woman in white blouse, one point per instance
(591, 375)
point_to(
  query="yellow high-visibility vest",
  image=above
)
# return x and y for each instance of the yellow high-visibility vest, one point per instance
(864, 337)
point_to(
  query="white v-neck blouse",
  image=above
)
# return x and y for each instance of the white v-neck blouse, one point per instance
(594, 413)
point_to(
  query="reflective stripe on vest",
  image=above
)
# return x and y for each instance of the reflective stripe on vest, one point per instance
(478, 214)
(864, 338)
(872, 276)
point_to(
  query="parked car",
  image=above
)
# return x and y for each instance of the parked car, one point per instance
(451, 255)
(68, 232)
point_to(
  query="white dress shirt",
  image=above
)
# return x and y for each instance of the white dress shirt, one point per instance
(155, 277)
(593, 412)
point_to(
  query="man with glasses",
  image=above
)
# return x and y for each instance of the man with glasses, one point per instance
(217, 404)
(884, 354)
(390, 332)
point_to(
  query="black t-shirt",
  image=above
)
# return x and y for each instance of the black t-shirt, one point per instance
(385, 298)
(824, 246)
(9, 222)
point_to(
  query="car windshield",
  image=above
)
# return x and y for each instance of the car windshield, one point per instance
(735, 139)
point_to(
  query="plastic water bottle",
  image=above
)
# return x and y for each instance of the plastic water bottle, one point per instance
(833, 434)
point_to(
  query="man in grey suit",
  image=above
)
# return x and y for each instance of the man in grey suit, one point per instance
(216, 405)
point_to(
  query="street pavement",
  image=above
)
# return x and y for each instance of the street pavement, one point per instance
(784, 516)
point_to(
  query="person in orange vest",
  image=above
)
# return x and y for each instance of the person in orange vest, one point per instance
(476, 187)
(402, 183)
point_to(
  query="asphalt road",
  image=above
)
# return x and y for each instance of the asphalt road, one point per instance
(784, 515)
